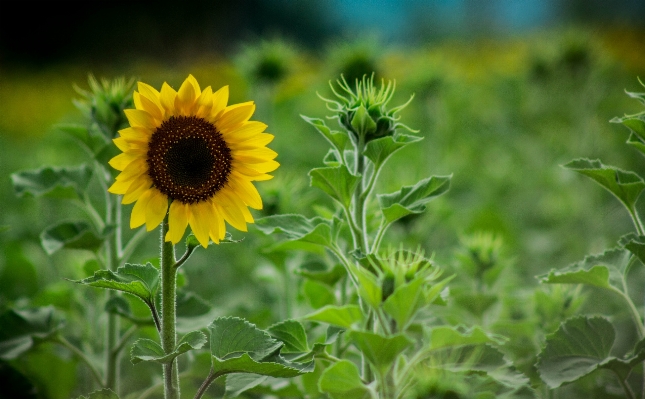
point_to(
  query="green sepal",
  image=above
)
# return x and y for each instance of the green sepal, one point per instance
(58, 182)
(624, 185)
(147, 350)
(412, 199)
(579, 347)
(342, 380)
(342, 316)
(141, 281)
(379, 150)
(338, 182)
(101, 394)
(362, 122)
(21, 330)
(604, 270)
(380, 351)
(71, 235)
(237, 346)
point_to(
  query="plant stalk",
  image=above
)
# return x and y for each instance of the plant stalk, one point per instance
(112, 328)
(169, 313)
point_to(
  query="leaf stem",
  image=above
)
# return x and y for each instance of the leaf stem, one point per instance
(637, 221)
(359, 200)
(112, 327)
(59, 339)
(640, 329)
(379, 236)
(628, 390)
(207, 382)
(124, 339)
(168, 312)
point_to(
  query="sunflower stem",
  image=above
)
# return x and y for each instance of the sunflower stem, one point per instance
(168, 312)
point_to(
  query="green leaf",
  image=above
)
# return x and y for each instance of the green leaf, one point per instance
(637, 143)
(380, 351)
(337, 182)
(149, 351)
(626, 186)
(237, 383)
(101, 394)
(476, 303)
(321, 274)
(141, 281)
(634, 244)
(343, 381)
(20, 330)
(317, 294)
(604, 270)
(341, 316)
(633, 123)
(71, 235)
(404, 302)
(337, 139)
(579, 347)
(412, 199)
(292, 334)
(63, 182)
(297, 228)
(369, 288)
(445, 336)
(379, 150)
(237, 346)
(193, 312)
(95, 142)
(362, 122)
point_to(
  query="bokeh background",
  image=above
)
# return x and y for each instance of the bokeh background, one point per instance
(505, 91)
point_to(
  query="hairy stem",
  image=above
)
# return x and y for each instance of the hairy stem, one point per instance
(168, 312)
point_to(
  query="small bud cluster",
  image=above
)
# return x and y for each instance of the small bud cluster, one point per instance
(364, 111)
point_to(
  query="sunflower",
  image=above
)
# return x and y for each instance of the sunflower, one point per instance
(190, 156)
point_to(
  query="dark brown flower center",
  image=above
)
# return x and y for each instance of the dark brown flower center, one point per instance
(188, 159)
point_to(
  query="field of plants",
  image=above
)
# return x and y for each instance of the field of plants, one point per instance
(454, 221)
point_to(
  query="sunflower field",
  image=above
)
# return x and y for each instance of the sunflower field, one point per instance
(456, 220)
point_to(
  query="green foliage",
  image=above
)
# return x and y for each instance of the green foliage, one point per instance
(21, 330)
(59, 182)
(342, 380)
(71, 235)
(101, 394)
(412, 199)
(146, 350)
(342, 316)
(337, 181)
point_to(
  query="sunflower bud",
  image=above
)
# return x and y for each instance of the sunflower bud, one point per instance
(363, 112)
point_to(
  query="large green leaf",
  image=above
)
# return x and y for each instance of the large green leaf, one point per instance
(342, 316)
(146, 350)
(637, 143)
(237, 346)
(193, 311)
(297, 228)
(343, 381)
(626, 186)
(579, 347)
(141, 281)
(318, 294)
(338, 182)
(412, 199)
(337, 139)
(101, 394)
(379, 150)
(404, 302)
(71, 235)
(318, 272)
(604, 270)
(21, 329)
(445, 336)
(380, 351)
(93, 140)
(634, 244)
(237, 383)
(635, 123)
(52, 181)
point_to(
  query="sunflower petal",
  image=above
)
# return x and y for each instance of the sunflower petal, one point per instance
(220, 99)
(254, 142)
(149, 92)
(204, 103)
(145, 104)
(199, 220)
(119, 187)
(186, 95)
(139, 118)
(256, 155)
(246, 191)
(136, 189)
(122, 160)
(260, 167)
(167, 99)
(138, 216)
(231, 212)
(234, 115)
(218, 229)
(236, 200)
(133, 170)
(156, 209)
(246, 131)
(136, 133)
(177, 221)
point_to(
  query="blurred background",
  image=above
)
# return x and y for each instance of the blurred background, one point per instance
(505, 91)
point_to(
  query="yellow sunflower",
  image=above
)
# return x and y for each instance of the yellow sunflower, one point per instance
(189, 155)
